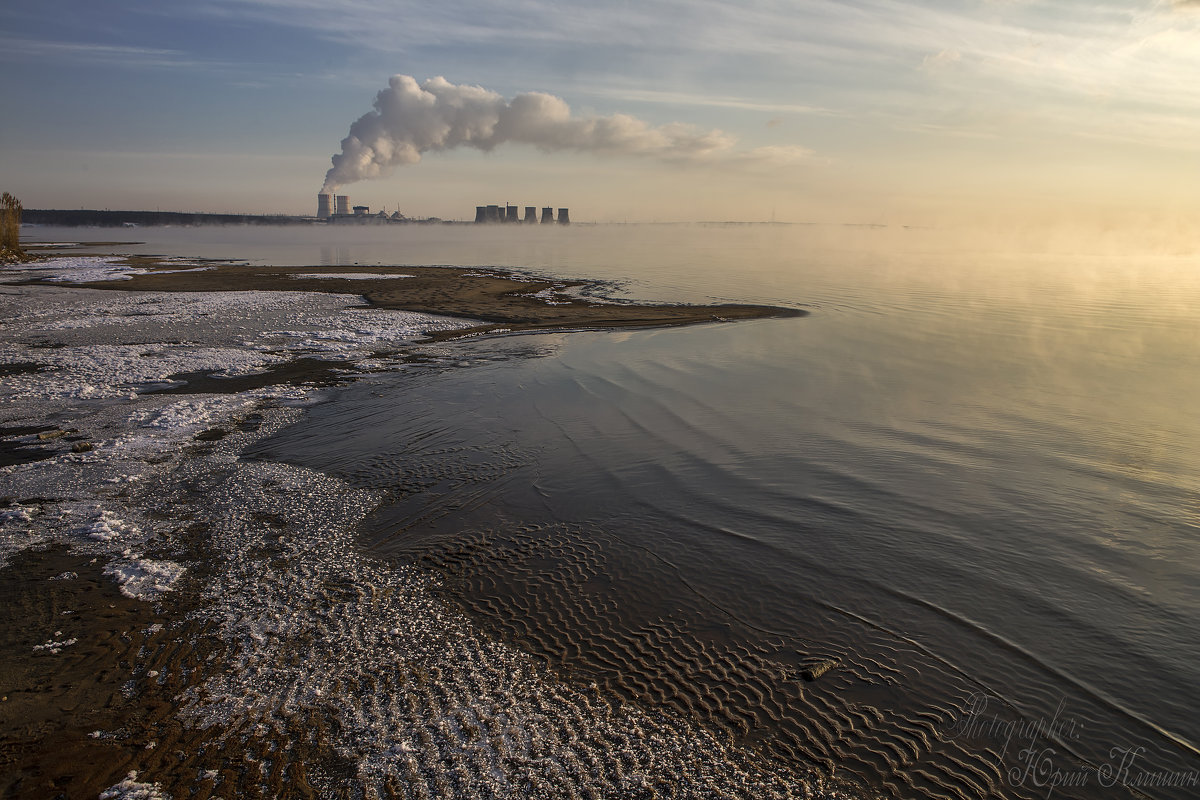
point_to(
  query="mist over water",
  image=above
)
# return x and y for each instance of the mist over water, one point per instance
(965, 487)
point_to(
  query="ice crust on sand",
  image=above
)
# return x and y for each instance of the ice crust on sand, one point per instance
(108, 527)
(108, 343)
(54, 646)
(96, 349)
(88, 269)
(131, 789)
(143, 578)
(16, 514)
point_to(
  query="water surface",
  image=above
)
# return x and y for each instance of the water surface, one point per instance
(960, 496)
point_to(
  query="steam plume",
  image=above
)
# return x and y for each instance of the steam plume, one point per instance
(411, 119)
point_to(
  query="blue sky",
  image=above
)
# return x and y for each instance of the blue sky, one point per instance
(902, 111)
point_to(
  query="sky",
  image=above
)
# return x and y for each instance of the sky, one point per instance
(866, 111)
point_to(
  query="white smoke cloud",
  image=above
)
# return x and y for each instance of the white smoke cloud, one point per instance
(411, 119)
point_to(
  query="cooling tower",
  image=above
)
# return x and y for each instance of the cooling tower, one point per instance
(324, 206)
(511, 215)
(530, 214)
(493, 214)
(563, 219)
(343, 204)
(481, 213)
(547, 215)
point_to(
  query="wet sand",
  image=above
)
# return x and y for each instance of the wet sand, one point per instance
(99, 699)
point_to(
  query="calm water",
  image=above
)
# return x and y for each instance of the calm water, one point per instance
(961, 497)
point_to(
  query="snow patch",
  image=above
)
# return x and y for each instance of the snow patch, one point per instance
(185, 414)
(243, 333)
(108, 371)
(86, 269)
(551, 296)
(144, 578)
(54, 646)
(108, 527)
(16, 514)
(131, 789)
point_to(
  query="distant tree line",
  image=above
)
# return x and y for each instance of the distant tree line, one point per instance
(116, 219)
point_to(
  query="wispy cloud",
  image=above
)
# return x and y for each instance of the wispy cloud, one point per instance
(48, 52)
(945, 59)
(226, 157)
(665, 97)
(842, 42)
(16, 49)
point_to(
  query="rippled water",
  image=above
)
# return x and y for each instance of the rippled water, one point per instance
(942, 536)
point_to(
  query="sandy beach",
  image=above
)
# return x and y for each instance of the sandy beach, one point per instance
(184, 622)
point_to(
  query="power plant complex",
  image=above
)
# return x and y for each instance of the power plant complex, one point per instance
(336, 208)
(507, 213)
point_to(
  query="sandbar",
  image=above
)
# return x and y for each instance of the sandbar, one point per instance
(503, 301)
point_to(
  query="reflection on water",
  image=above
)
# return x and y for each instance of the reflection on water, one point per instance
(336, 256)
(940, 536)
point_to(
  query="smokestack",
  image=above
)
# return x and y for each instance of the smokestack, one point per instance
(530, 214)
(324, 206)
(343, 204)
(547, 215)
(563, 219)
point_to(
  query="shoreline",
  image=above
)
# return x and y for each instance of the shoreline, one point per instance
(225, 633)
(502, 300)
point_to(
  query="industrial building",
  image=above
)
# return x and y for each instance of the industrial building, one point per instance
(337, 208)
(488, 214)
(330, 206)
(509, 213)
